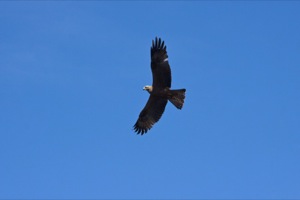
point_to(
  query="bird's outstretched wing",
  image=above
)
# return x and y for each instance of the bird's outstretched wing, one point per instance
(160, 67)
(150, 114)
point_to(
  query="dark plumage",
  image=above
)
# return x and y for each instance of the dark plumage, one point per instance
(160, 91)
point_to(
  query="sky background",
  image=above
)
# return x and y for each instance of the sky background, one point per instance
(71, 79)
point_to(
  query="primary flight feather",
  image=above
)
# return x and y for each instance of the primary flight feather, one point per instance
(160, 91)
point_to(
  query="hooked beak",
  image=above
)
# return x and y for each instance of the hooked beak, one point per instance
(144, 88)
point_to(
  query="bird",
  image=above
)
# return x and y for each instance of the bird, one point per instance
(160, 91)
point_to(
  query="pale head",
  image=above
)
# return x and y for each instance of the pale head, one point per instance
(148, 88)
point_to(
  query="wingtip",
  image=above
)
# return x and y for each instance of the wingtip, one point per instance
(158, 43)
(139, 130)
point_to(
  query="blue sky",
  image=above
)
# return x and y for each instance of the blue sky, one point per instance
(71, 78)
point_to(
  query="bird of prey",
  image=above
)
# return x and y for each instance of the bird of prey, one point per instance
(160, 91)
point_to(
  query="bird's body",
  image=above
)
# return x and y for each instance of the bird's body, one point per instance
(160, 92)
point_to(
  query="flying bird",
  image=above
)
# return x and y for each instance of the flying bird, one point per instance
(160, 91)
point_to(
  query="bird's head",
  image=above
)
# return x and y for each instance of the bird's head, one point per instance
(148, 88)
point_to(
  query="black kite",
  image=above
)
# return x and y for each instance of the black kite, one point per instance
(160, 91)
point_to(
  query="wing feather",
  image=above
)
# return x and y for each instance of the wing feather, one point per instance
(151, 113)
(161, 71)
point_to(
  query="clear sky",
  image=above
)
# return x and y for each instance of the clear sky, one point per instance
(71, 79)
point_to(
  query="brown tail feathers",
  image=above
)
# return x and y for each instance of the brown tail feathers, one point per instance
(177, 97)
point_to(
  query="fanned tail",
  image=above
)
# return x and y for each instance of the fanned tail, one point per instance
(177, 97)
